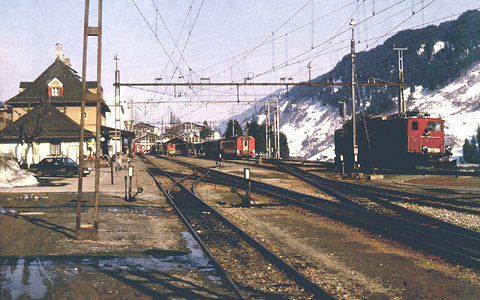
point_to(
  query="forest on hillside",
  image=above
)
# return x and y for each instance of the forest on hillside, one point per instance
(436, 56)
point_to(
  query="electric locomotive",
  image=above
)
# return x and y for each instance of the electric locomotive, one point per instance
(398, 142)
(138, 149)
(236, 147)
(171, 149)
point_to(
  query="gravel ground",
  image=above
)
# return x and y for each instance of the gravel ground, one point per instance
(349, 263)
(144, 250)
(466, 220)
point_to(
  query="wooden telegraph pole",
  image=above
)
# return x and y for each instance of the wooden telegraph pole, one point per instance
(90, 232)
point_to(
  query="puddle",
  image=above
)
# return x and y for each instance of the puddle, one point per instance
(32, 278)
(51, 182)
(26, 278)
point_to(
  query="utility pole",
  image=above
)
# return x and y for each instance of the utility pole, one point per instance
(245, 120)
(268, 129)
(90, 232)
(401, 80)
(118, 125)
(353, 86)
(276, 118)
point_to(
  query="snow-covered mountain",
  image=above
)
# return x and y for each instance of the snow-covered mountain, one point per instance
(458, 104)
(310, 125)
(442, 75)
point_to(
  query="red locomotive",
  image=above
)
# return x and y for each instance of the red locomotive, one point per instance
(396, 142)
(171, 149)
(242, 146)
(138, 149)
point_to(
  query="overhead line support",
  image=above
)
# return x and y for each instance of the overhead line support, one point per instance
(131, 84)
(401, 80)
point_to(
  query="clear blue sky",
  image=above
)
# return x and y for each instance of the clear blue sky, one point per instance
(224, 40)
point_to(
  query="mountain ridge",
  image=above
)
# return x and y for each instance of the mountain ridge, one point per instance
(442, 76)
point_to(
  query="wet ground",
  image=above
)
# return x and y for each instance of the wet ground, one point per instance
(143, 252)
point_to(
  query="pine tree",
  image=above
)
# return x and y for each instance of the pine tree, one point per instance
(284, 150)
(475, 154)
(470, 151)
(233, 127)
(478, 143)
(258, 132)
(206, 131)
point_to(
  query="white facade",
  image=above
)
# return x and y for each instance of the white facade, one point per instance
(124, 114)
(32, 154)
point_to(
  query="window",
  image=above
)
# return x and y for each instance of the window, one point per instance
(415, 125)
(434, 126)
(69, 161)
(85, 115)
(55, 149)
(55, 91)
(55, 88)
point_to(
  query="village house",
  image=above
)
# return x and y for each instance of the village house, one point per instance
(42, 131)
(59, 85)
(5, 116)
(57, 88)
(146, 135)
(188, 132)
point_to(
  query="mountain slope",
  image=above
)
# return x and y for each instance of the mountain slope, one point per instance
(458, 103)
(442, 76)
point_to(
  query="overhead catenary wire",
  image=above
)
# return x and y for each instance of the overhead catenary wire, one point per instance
(175, 42)
(289, 61)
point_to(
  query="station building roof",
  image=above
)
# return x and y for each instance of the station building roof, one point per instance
(43, 122)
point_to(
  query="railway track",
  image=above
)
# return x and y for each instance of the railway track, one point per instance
(462, 244)
(446, 240)
(332, 167)
(253, 271)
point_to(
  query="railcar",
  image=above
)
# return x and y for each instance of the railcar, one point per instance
(211, 149)
(138, 149)
(157, 148)
(237, 147)
(171, 149)
(403, 142)
(186, 149)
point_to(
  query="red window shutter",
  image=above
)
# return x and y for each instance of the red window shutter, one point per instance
(49, 91)
(60, 91)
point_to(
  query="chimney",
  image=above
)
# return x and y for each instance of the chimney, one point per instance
(58, 51)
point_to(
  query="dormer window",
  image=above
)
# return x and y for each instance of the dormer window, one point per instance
(55, 88)
(55, 91)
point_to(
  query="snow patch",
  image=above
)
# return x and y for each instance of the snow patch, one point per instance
(438, 47)
(11, 175)
(421, 50)
(310, 132)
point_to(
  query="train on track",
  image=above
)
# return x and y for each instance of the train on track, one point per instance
(399, 142)
(138, 149)
(235, 147)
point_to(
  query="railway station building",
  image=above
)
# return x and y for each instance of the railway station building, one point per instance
(58, 87)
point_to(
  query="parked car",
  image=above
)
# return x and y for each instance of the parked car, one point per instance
(57, 166)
